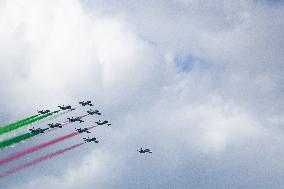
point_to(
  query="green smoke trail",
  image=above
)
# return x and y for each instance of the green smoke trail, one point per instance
(25, 123)
(18, 139)
(16, 123)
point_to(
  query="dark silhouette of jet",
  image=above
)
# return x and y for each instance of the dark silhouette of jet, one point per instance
(37, 131)
(52, 125)
(91, 140)
(43, 111)
(72, 119)
(82, 130)
(144, 151)
(83, 103)
(91, 112)
(68, 107)
(102, 123)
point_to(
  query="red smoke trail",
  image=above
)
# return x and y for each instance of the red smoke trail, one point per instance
(38, 160)
(49, 130)
(38, 147)
(84, 116)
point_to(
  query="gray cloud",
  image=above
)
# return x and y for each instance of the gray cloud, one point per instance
(214, 125)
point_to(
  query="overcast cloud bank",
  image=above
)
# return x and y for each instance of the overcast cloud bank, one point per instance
(199, 82)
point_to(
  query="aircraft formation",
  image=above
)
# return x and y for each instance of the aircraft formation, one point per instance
(73, 119)
(33, 132)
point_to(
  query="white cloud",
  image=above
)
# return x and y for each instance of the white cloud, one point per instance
(124, 54)
(94, 168)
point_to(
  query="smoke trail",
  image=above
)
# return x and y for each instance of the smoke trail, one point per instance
(18, 139)
(3, 128)
(39, 147)
(38, 160)
(27, 136)
(27, 122)
(55, 116)
(23, 122)
(12, 133)
(64, 123)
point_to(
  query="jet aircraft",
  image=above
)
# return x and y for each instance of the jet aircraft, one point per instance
(91, 140)
(52, 125)
(72, 119)
(91, 112)
(83, 103)
(43, 111)
(80, 130)
(37, 131)
(144, 151)
(102, 123)
(68, 107)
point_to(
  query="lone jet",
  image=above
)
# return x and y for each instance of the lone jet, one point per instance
(144, 151)
(72, 119)
(102, 123)
(43, 111)
(91, 140)
(37, 131)
(52, 125)
(68, 107)
(80, 130)
(91, 112)
(83, 103)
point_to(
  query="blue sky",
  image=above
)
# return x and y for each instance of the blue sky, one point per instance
(198, 82)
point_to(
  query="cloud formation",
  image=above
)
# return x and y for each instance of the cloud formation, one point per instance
(199, 82)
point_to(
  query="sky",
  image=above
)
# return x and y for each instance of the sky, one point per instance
(200, 83)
